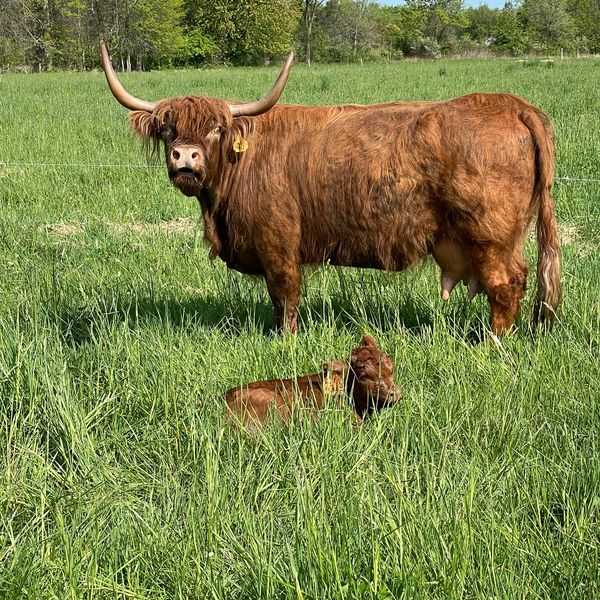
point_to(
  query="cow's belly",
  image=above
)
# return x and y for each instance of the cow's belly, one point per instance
(373, 250)
(245, 260)
(363, 262)
(247, 263)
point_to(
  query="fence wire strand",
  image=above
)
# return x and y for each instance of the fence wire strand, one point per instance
(78, 165)
(5, 164)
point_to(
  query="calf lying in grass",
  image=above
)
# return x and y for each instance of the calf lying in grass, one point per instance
(366, 380)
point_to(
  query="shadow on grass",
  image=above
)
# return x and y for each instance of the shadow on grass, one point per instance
(85, 325)
(82, 325)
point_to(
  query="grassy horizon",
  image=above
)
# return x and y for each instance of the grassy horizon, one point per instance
(119, 477)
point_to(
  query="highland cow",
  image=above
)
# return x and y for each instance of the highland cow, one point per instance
(378, 186)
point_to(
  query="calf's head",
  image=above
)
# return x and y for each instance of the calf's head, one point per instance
(195, 130)
(369, 377)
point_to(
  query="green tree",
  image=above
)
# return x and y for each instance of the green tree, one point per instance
(246, 31)
(403, 28)
(309, 10)
(15, 41)
(49, 34)
(353, 30)
(586, 24)
(196, 48)
(510, 36)
(442, 19)
(264, 29)
(549, 21)
(482, 22)
(140, 33)
(157, 30)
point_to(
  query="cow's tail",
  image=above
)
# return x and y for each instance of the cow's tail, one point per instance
(548, 263)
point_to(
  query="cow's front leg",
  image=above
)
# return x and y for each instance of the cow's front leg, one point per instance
(279, 251)
(283, 283)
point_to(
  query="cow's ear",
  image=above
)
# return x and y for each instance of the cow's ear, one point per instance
(144, 124)
(369, 341)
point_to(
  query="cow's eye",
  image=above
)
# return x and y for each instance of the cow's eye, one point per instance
(166, 132)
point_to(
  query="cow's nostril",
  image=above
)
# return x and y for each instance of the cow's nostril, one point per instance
(176, 155)
(194, 155)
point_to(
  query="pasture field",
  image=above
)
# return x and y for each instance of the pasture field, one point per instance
(119, 477)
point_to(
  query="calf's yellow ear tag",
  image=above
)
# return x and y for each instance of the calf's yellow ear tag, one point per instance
(332, 385)
(240, 144)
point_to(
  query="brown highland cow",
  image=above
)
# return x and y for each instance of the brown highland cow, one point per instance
(366, 381)
(378, 186)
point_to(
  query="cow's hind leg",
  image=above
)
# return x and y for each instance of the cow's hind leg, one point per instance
(503, 277)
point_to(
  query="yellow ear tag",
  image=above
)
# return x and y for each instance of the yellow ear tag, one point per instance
(332, 384)
(240, 144)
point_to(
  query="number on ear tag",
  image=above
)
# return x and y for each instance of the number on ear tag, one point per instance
(240, 144)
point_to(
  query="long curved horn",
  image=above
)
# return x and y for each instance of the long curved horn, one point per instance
(119, 92)
(251, 109)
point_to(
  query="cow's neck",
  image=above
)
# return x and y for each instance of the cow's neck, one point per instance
(216, 197)
(209, 204)
(214, 200)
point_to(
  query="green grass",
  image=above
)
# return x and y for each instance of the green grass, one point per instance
(482, 483)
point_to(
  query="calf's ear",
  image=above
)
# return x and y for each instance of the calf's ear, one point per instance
(335, 367)
(369, 341)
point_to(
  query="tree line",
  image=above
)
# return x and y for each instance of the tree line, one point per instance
(43, 35)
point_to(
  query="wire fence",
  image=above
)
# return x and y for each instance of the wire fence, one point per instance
(20, 165)
(576, 179)
(27, 165)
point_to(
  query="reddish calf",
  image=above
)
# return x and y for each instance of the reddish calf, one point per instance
(367, 381)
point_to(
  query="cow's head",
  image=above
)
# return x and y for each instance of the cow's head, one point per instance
(196, 131)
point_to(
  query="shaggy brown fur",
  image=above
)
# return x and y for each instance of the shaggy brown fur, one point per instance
(378, 186)
(366, 380)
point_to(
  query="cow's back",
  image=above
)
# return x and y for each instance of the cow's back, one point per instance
(372, 186)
